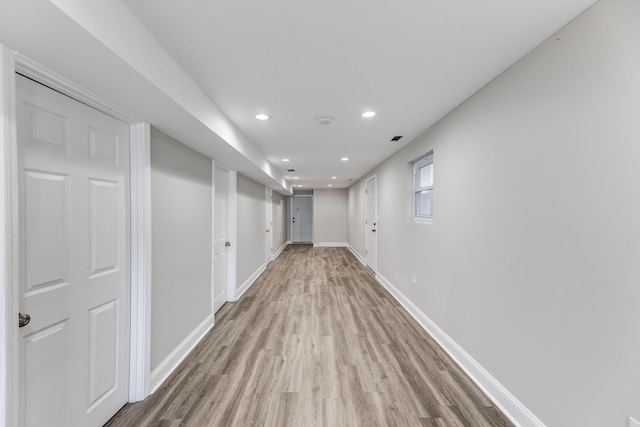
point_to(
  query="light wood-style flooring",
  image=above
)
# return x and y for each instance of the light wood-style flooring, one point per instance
(316, 341)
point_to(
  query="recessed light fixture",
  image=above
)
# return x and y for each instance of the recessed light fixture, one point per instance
(368, 114)
(345, 159)
(295, 177)
(286, 160)
(324, 120)
(334, 177)
(330, 185)
(262, 117)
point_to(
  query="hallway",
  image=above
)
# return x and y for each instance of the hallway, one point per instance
(315, 341)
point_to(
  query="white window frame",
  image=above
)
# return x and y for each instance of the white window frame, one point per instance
(422, 161)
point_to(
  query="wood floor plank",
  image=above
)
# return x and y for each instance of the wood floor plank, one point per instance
(316, 341)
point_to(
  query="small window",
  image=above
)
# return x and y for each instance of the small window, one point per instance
(423, 188)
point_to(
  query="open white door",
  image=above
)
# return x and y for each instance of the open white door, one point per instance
(220, 241)
(73, 180)
(371, 223)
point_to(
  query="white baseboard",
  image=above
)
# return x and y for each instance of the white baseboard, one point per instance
(247, 283)
(331, 245)
(504, 400)
(357, 255)
(162, 372)
(279, 251)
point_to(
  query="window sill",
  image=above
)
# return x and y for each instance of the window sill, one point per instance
(423, 220)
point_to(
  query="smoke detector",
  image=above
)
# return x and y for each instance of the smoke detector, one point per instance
(324, 120)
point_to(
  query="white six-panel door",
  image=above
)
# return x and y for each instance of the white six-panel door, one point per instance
(221, 189)
(74, 260)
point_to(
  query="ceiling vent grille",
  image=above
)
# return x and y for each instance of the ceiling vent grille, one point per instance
(396, 138)
(291, 170)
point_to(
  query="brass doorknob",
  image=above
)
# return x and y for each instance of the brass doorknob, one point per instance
(23, 319)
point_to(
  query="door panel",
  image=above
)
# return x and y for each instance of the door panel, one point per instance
(221, 178)
(48, 346)
(103, 358)
(44, 195)
(104, 226)
(74, 260)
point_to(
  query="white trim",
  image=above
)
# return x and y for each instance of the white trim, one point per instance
(168, 365)
(43, 75)
(140, 352)
(213, 240)
(232, 236)
(279, 251)
(504, 400)
(357, 255)
(9, 337)
(331, 245)
(250, 281)
(423, 220)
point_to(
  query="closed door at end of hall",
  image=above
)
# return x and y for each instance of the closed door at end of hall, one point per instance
(302, 219)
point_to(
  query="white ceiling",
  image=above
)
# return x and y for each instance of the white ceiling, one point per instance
(411, 61)
(199, 70)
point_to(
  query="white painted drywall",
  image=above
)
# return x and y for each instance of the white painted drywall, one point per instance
(330, 216)
(251, 228)
(279, 219)
(181, 243)
(532, 262)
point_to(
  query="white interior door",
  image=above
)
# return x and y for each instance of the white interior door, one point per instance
(371, 220)
(269, 224)
(220, 242)
(74, 260)
(302, 219)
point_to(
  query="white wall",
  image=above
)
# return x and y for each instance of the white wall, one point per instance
(330, 216)
(181, 244)
(279, 220)
(532, 262)
(251, 230)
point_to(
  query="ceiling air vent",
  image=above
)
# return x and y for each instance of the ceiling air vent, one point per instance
(291, 170)
(396, 138)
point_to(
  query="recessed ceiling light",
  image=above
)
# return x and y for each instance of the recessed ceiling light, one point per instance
(330, 185)
(345, 159)
(334, 177)
(286, 160)
(368, 114)
(262, 117)
(324, 120)
(295, 177)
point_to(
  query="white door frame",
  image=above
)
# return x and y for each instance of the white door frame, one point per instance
(10, 63)
(366, 216)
